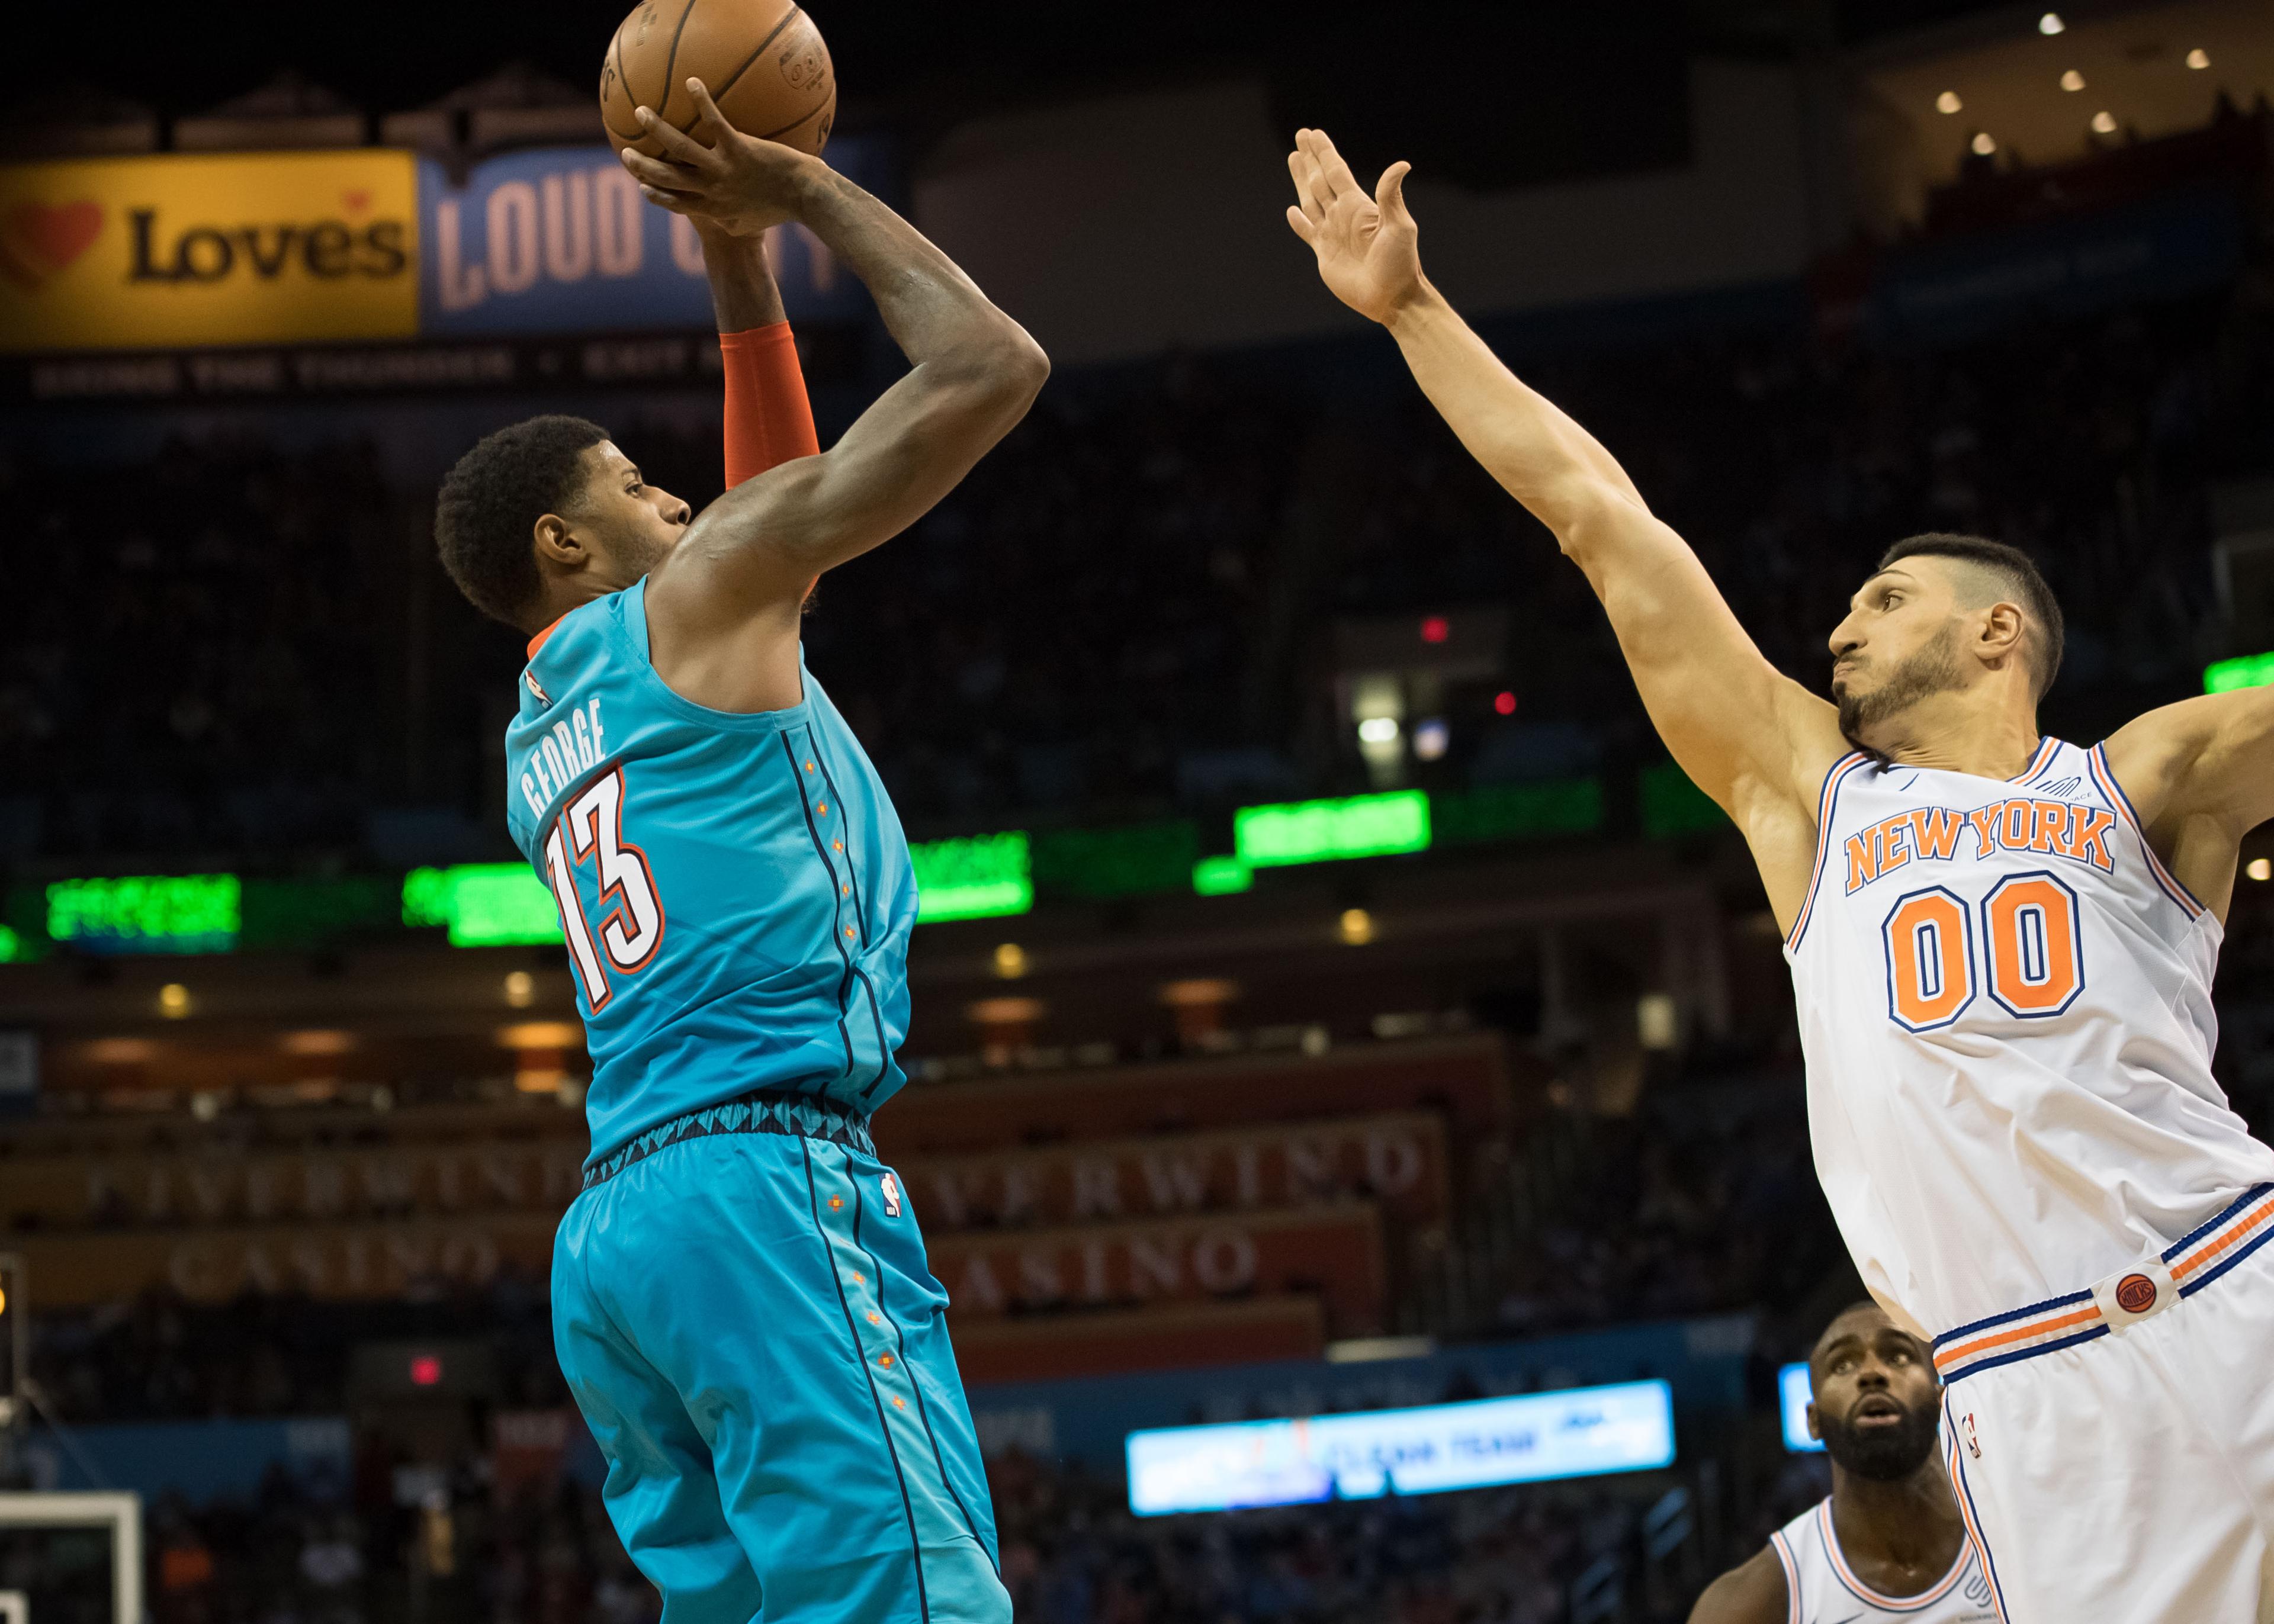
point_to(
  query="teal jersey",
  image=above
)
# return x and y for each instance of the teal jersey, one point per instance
(735, 890)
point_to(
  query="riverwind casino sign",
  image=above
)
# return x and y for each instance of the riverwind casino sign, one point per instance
(179, 254)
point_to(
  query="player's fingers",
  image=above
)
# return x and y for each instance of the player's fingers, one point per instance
(1337, 173)
(708, 119)
(677, 145)
(1301, 222)
(677, 202)
(1390, 192)
(654, 171)
(1300, 170)
(1311, 189)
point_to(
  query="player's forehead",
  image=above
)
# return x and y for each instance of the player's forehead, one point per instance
(1860, 1328)
(1910, 573)
(603, 456)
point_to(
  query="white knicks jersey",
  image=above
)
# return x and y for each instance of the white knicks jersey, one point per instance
(1822, 1589)
(2005, 1006)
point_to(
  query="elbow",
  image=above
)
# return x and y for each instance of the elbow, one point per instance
(1004, 366)
(1022, 365)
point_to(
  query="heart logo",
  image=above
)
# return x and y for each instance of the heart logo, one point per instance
(356, 201)
(39, 240)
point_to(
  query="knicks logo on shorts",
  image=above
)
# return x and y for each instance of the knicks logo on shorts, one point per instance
(2135, 1294)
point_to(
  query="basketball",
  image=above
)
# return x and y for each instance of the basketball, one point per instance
(763, 62)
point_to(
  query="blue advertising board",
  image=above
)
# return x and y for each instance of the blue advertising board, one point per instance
(1795, 1394)
(559, 240)
(1429, 1449)
(2164, 248)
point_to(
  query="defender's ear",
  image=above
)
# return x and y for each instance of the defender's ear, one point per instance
(2004, 632)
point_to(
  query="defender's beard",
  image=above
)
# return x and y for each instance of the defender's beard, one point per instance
(1934, 669)
(1884, 1454)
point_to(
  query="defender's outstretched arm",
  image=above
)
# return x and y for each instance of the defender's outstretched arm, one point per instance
(1753, 739)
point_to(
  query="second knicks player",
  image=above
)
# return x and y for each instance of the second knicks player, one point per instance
(2002, 947)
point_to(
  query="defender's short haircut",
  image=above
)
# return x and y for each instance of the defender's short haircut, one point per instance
(2017, 573)
(487, 512)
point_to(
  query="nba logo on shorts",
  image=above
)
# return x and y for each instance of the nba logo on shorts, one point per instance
(891, 1189)
(2135, 1294)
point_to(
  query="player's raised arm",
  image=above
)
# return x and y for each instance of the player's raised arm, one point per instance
(752, 555)
(768, 418)
(1750, 737)
(2200, 775)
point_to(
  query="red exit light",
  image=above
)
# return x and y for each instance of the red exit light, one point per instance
(1435, 628)
(425, 1370)
(1504, 702)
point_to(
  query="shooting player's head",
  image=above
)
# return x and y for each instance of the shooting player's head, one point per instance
(548, 514)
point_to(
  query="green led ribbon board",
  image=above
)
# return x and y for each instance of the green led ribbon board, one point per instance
(146, 914)
(980, 877)
(2250, 670)
(483, 904)
(1222, 877)
(1308, 832)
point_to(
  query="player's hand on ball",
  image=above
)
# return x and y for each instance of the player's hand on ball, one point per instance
(1368, 248)
(712, 172)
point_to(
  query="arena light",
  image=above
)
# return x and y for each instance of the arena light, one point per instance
(1983, 144)
(1428, 1449)
(2199, 58)
(482, 905)
(1948, 101)
(13, 947)
(2104, 123)
(979, 876)
(1795, 1394)
(148, 913)
(2072, 80)
(1308, 832)
(2248, 670)
(2051, 24)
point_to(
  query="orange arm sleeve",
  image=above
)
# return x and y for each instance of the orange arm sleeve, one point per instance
(768, 418)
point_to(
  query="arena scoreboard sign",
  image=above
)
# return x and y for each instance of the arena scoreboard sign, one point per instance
(190, 250)
(1578, 1433)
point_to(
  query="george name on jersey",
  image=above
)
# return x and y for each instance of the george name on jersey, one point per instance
(2019, 824)
(564, 752)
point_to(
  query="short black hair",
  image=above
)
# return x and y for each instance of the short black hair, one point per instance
(2017, 571)
(488, 506)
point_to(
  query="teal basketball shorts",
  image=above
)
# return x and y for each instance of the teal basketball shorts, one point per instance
(742, 1310)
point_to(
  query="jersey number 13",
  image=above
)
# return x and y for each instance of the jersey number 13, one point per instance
(629, 922)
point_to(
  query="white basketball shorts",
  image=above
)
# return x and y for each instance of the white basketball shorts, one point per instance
(2112, 1450)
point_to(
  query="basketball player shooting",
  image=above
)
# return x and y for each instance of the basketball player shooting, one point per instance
(1887, 1545)
(2002, 947)
(740, 1300)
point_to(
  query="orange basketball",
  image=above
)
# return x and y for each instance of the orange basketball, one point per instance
(763, 61)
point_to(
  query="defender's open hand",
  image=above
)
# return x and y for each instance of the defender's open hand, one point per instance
(713, 172)
(1368, 246)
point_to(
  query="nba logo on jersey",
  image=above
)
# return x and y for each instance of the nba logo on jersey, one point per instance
(892, 1188)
